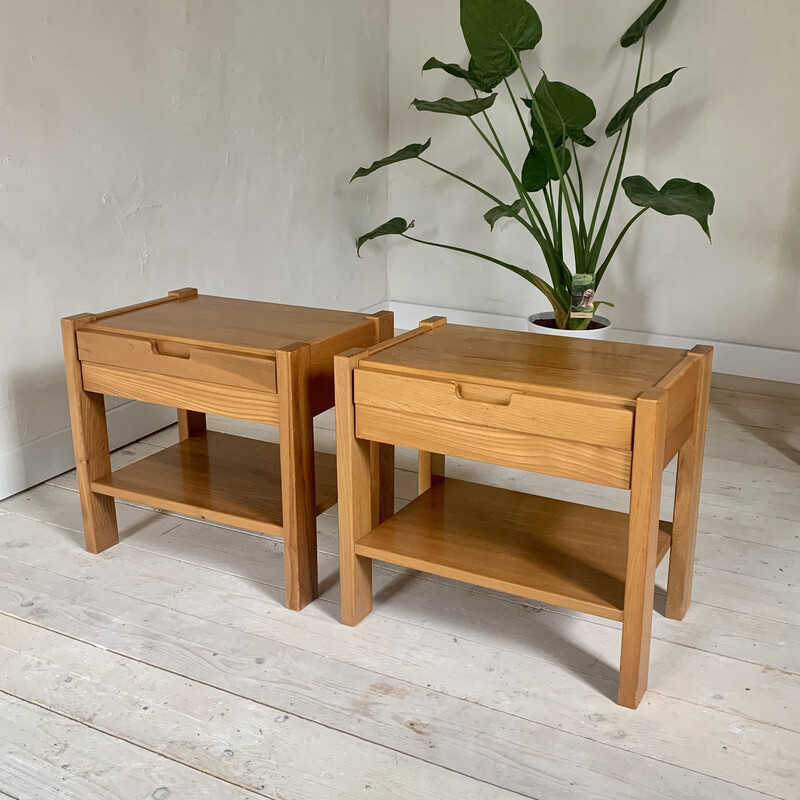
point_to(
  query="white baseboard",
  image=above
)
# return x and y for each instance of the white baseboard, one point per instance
(744, 361)
(42, 459)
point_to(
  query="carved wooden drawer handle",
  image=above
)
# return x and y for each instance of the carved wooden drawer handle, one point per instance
(483, 394)
(156, 352)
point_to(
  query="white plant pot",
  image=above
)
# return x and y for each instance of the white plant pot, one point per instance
(598, 333)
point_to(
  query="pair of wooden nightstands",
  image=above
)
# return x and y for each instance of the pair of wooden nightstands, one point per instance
(606, 413)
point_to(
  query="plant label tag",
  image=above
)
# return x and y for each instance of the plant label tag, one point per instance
(582, 297)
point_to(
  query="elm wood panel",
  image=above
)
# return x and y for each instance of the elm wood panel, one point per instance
(560, 365)
(382, 455)
(576, 460)
(190, 423)
(219, 477)
(178, 360)
(298, 480)
(687, 494)
(321, 391)
(227, 323)
(643, 535)
(354, 466)
(496, 407)
(547, 550)
(211, 398)
(90, 441)
(177, 295)
(430, 469)
(682, 396)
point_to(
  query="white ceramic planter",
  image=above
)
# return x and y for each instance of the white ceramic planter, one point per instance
(598, 333)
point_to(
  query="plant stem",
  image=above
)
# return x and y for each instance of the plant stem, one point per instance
(541, 285)
(519, 113)
(581, 193)
(463, 180)
(530, 207)
(601, 234)
(540, 119)
(533, 230)
(617, 243)
(603, 185)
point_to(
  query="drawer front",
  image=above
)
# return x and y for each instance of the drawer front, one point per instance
(171, 390)
(496, 408)
(177, 360)
(546, 455)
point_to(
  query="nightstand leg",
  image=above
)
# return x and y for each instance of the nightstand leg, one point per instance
(90, 439)
(382, 454)
(355, 488)
(298, 489)
(687, 500)
(646, 474)
(431, 468)
(190, 423)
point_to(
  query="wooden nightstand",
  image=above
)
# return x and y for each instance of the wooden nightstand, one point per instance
(238, 358)
(602, 412)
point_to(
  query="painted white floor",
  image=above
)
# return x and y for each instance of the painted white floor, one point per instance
(168, 668)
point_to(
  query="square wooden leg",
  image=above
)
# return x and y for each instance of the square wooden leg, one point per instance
(382, 455)
(637, 620)
(190, 423)
(430, 469)
(355, 488)
(687, 498)
(382, 471)
(90, 439)
(298, 489)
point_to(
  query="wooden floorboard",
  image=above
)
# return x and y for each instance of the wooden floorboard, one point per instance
(452, 688)
(45, 755)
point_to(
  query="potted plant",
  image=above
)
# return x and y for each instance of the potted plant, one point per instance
(569, 224)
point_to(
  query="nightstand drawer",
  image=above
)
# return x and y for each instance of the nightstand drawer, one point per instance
(163, 357)
(496, 407)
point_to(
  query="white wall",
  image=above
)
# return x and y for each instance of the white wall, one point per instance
(152, 144)
(728, 121)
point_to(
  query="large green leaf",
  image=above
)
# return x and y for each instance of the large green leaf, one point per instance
(478, 79)
(632, 106)
(563, 109)
(493, 215)
(461, 108)
(455, 70)
(639, 28)
(540, 168)
(405, 154)
(497, 30)
(677, 196)
(393, 227)
(486, 79)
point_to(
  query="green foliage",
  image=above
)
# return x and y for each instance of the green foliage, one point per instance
(639, 28)
(627, 111)
(675, 197)
(478, 79)
(394, 227)
(408, 152)
(497, 31)
(459, 108)
(493, 215)
(563, 111)
(569, 224)
(540, 168)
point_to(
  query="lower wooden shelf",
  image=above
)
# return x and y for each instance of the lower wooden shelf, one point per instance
(219, 477)
(547, 550)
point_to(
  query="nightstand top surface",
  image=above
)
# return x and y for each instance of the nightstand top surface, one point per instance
(225, 322)
(577, 367)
